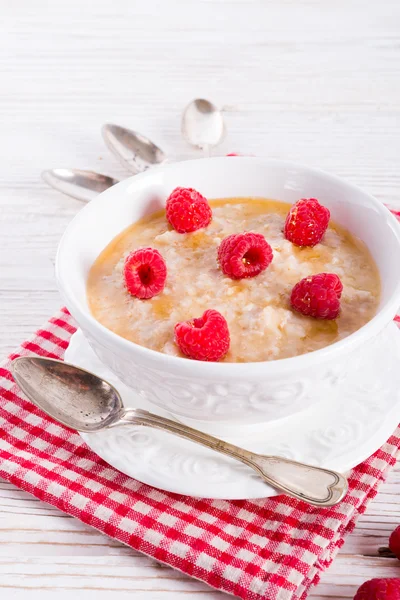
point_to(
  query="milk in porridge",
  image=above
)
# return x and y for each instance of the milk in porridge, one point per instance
(262, 324)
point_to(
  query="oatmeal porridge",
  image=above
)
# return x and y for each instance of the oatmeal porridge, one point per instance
(262, 322)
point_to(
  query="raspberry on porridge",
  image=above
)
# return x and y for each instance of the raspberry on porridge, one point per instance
(318, 296)
(242, 255)
(306, 222)
(187, 210)
(262, 323)
(145, 273)
(204, 338)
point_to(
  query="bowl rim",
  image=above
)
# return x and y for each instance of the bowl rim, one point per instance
(266, 368)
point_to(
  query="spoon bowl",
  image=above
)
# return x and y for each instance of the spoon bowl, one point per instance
(87, 403)
(82, 185)
(202, 124)
(135, 151)
(72, 396)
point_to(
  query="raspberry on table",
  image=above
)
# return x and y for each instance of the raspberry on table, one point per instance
(187, 210)
(394, 542)
(242, 255)
(379, 589)
(318, 296)
(206, 338)
(306, 222)
(145, 273)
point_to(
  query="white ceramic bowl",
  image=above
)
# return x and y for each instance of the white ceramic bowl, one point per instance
(227, 392)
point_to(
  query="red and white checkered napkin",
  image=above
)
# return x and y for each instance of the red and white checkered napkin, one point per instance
(272, 548)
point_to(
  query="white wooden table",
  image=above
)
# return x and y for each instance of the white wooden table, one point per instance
(305, 80)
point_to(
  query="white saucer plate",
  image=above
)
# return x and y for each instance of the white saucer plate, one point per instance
(339, 432)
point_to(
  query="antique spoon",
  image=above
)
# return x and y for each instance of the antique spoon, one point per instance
(87, 403)
(202, 124)
(136, 152)
(82, 185)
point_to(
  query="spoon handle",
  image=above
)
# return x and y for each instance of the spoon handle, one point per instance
(315, 485)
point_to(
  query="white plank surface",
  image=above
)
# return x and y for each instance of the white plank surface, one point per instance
(313, 82)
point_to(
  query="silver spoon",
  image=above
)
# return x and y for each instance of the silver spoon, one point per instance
(87, 403)
(136, 152)
(82, 185)
(202, 124)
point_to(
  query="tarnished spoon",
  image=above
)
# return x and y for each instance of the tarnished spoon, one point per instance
(202, 124)
(87, 403)
(135, 151)
(82, 185)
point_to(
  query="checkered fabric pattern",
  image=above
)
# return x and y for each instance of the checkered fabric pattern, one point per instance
(272, 549)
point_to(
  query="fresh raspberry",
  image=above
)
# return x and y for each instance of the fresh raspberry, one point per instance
(306, 222)
(394, 542)
(187, 210)
(379, 589)
(318, 296)
(238, 154)
(205, 338)
(145, 273)
(243, 255)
